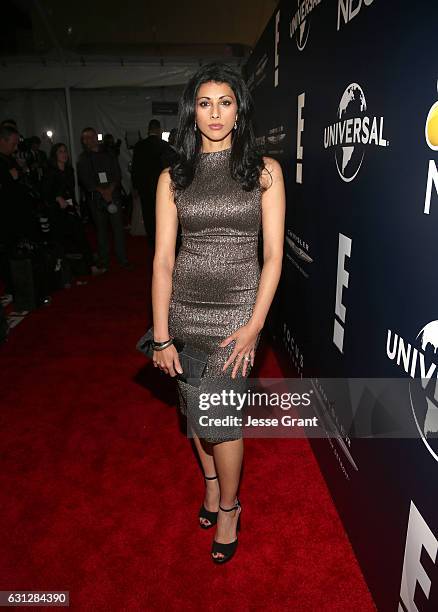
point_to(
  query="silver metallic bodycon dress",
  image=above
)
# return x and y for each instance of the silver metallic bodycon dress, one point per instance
(215, 278)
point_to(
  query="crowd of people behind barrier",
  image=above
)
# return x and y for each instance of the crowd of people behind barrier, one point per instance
(43, 240)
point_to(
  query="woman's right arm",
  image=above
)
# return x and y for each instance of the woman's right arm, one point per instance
(166, 228)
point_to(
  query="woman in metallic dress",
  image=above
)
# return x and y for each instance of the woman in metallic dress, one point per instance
(214, 295)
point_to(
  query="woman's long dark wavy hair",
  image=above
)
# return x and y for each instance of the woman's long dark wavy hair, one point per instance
(53, 161)
(246, 163)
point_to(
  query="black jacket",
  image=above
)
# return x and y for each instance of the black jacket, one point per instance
(58, 183)
(151, 156)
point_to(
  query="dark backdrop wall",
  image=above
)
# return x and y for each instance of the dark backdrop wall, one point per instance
(346, 99)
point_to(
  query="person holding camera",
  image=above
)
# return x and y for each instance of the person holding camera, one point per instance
(99, 175)
(59, 194)
(20, 230)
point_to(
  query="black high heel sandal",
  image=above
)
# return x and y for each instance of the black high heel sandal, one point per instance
(208, 514)
(227, 550)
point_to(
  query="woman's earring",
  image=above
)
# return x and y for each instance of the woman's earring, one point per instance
(235, 124)
(195, 126)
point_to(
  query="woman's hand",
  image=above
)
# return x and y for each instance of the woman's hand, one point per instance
(168, 361)
(245, 338)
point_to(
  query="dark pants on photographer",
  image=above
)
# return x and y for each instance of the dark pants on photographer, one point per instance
(102, 219)
(69, 233)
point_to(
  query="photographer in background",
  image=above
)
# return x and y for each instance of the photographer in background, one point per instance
(100, 176)
(18, 219)
(20, 230)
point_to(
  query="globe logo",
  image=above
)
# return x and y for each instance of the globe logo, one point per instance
(349, 158)
(424, 391)
(353, 131)
(431, 128)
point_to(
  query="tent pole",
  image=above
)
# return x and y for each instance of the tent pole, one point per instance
(71, 137)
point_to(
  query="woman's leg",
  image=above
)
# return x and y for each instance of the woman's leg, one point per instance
(205, 455)
(212, 492)
(228, 458)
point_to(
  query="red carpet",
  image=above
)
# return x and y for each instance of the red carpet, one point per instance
(100, 489)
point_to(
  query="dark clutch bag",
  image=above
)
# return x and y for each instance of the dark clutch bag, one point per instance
(193, 361)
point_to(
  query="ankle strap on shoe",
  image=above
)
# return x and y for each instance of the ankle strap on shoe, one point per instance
(210, 477)
(229, 509)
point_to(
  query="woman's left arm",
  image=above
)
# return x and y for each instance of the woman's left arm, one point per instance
(273, 214)
(273, 219)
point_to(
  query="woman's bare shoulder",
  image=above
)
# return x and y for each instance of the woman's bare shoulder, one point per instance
(165, 174)
(271, 171)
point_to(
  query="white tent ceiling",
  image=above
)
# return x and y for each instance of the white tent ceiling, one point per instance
(96, 74)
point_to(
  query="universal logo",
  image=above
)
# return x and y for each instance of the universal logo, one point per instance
(353, 133)
(431, 135)
(299, 26)
(418, 361)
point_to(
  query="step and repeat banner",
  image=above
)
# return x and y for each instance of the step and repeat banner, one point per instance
(346, 99)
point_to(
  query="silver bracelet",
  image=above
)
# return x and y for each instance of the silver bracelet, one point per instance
(163, 346)
(160, 343)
